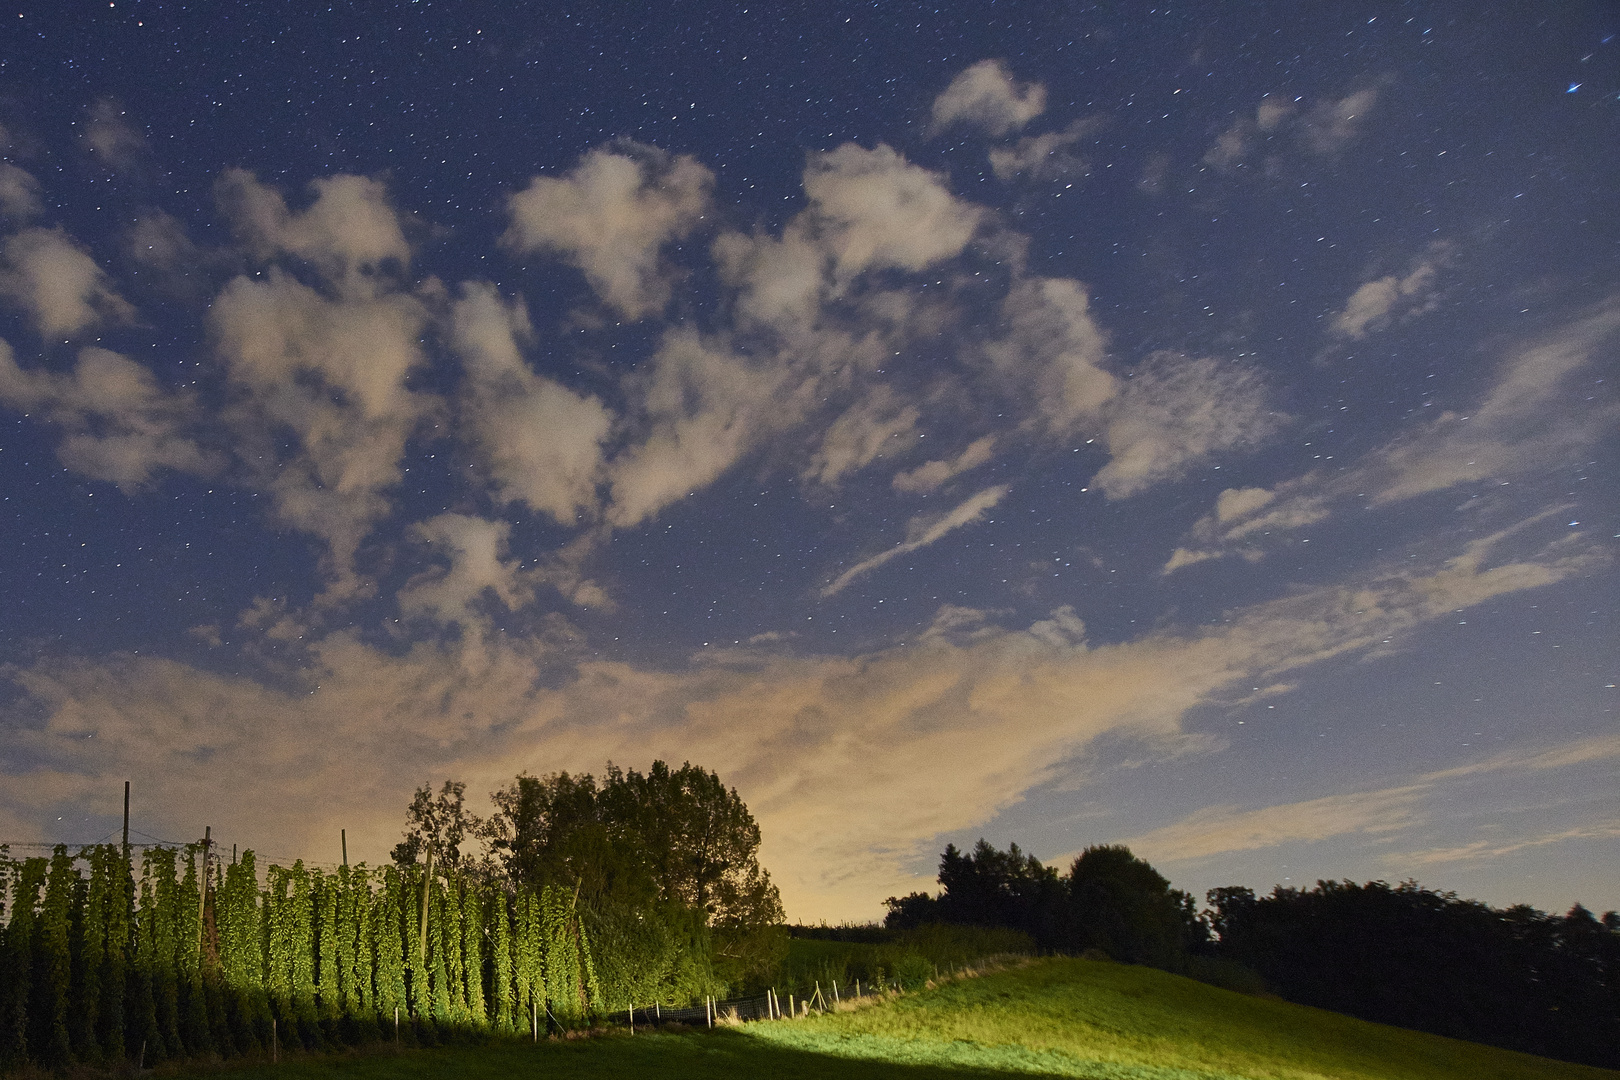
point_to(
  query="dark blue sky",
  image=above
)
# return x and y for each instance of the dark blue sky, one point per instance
(1189, 426)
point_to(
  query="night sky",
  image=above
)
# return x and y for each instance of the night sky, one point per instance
(1191, 427)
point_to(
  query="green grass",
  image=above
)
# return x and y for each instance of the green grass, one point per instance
(915, 955)
(1051, 1017)
(1093, 1018)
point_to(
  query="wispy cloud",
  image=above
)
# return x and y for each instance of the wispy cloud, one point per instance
(1529, 419)
(1218, 830)
(923, 530)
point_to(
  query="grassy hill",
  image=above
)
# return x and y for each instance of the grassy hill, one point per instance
(1056, 1017)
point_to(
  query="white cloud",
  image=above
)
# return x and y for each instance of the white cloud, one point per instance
(704, 407)
(925, 529)
(332, 373)
(58, 284)
(932, 475)
(121, 426)
(476, 549)
(1332, 125)
(1219, 830)
(1323, 129)
(781, 282)
(1177, 412)
(1375, 304)
(873, 209)
(541, 442)
(349, 232)
(1495, 848)
(19, 193)
(611, 217)
(1051, 356)
(986, 96)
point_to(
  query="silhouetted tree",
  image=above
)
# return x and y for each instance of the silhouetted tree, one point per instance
(1118, 903)
(1410, 956)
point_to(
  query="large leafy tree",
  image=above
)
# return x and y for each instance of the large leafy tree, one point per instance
(669, 835)
(1118, 903)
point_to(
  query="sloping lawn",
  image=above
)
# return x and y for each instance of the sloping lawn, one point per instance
(1054, 1017)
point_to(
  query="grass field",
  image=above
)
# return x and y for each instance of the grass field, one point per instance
(1050, 1017)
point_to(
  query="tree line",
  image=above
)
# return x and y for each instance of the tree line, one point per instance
(1404, 955)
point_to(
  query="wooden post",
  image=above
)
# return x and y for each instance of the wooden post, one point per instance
(275, 1042)
(345, 834)
(126, 824)
(396, 1025)
(202, 894)
(836, 999)
(427, 885)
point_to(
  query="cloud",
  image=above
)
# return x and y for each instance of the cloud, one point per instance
(1044, 157)
(780, 282)
(1480, 850)
(476, 549)
(1532, 418)
(1323, 129)
(872, 209)
(1177, 412)
(853, 765)
(704, 407)
(925, 529)
(1233, 146)
(611, 217)
(540, 442)
(108, 134)
(1375, 304)
(987, 97)
(58, 284)
(19, 193)
(121, 425)
(331, 374)
(1332, 125)
(1217, 830)
(932, 475)
(349, 232)
(1052, 355)
(877, 425)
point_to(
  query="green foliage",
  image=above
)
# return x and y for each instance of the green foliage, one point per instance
(17, 975)
(910, 957)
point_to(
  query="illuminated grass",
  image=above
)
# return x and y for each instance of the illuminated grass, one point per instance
(1050, 1017)
(1092, 1018)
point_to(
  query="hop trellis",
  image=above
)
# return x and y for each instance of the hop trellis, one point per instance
(102, 960)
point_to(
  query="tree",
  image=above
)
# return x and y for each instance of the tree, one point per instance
(988, 887)
(441, 820)
(1118, 903)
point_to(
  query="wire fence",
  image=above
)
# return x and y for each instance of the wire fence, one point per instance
(712, 1011)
